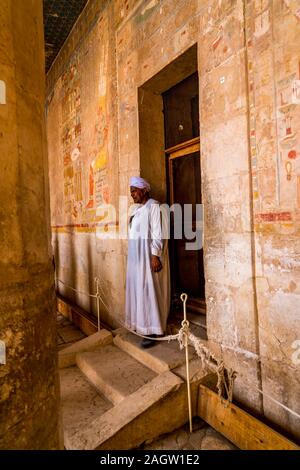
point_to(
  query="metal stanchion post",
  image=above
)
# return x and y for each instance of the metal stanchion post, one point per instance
(98, 301)
(185, 323)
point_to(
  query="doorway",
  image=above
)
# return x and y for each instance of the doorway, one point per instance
(183, 171)
(169, 148)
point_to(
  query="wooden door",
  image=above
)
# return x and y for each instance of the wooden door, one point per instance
(182, 141)
(185, 188)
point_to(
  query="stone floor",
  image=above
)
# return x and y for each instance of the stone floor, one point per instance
(203, 436)
(67, 332)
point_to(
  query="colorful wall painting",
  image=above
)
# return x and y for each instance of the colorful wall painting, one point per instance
(84, 144)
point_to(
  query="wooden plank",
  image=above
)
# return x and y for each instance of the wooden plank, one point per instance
(171, 182)
(194, 308)
(63, 308)
(185, 151)
(85, 324)
(185, 144)
(85, 321)
(245, 431)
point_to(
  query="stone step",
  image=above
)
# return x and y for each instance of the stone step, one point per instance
(155, 408)
(67, 356)
(161, 357)
(114, 372)
(117, 397)
(80, 401)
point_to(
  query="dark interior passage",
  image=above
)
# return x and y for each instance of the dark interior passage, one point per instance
(181, 119)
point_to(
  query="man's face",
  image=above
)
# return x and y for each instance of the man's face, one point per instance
(137, 194)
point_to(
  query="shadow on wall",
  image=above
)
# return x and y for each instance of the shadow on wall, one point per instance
(67, 274)
(91, 279)
(56, 260)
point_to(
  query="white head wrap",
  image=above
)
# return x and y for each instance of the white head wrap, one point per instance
(138, 182)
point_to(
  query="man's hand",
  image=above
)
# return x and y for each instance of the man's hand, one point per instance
(156, 265)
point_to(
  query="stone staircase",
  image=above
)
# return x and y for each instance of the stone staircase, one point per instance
(116, 395)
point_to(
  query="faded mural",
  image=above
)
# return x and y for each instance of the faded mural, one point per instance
(83, 145)
(274, 97)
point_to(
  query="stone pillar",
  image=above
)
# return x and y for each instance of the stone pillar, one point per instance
(29, 403)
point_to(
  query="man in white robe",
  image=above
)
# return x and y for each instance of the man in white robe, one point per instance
(148, 274)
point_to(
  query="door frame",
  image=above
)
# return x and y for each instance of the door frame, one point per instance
(180, 150)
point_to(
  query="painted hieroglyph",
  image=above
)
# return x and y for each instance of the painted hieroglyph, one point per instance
(288, 118)
(85, 123)
(71, 140)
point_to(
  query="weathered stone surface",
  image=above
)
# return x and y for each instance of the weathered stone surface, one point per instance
(29, 394)
(212, 440)
(202, 438)
(113, 372)
(197, 372)
(197, 437)
(67, 356)
(80, 402)
(70, 334)
(127, 424)
(248, 377)
(161, 357)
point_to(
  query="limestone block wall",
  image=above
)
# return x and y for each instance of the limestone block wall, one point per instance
(248, 66)
(83, 146)
(29, 395)
(273, 50)
(232, 315)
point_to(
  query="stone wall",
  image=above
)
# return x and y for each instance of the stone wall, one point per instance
(248, 65)
(273, 50)
(29, 395)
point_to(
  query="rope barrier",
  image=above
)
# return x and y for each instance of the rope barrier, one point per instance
(75, 290)
(278, 403)
(225, 376)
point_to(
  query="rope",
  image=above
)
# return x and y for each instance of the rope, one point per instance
(278, 402)
(165, 338)
(207, 358)
(76, 290)
(184, 336)
(225, 376)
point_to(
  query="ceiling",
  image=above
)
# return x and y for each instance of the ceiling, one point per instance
(59, 18)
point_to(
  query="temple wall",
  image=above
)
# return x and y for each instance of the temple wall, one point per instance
(99, 90)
